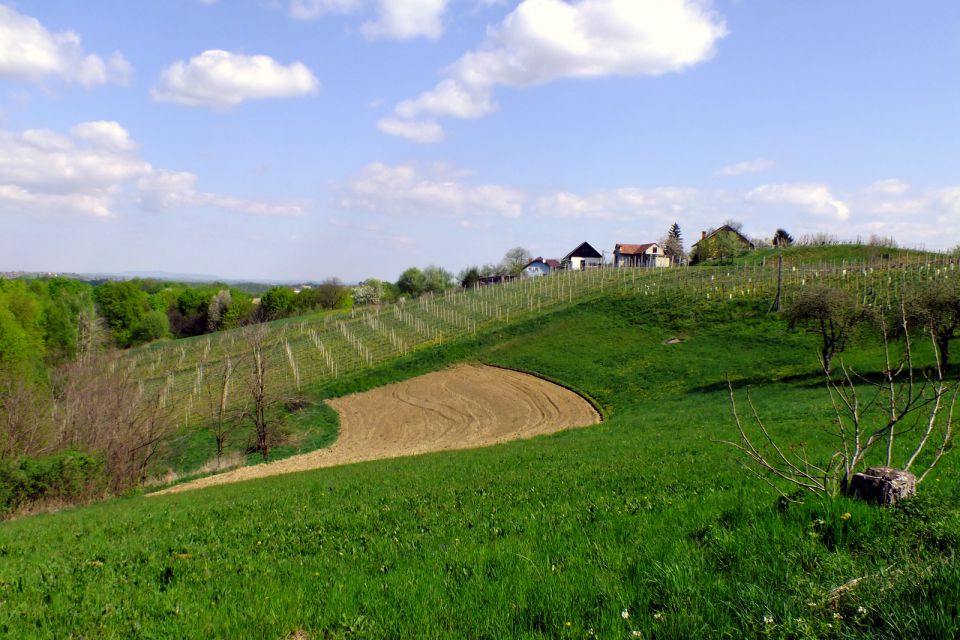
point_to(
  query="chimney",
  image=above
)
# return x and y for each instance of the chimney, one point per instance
(703, 235)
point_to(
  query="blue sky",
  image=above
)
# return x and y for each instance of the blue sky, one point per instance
(303, 139)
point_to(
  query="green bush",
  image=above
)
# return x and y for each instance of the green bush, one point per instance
(70, 476)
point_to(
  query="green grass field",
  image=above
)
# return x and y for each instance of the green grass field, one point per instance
(643, 526)
(838, 253)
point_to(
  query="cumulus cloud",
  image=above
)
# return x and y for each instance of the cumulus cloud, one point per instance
(629, 204)
(402, 190)
(109, 135)
(407, 19)
(914, 216)
(95, 170)
(313, 9)
(162, 190)
(895, 200)
(889, 187)
(546, 40)
(422, 132)
(219, 80)
(393, 19)
(742, 168)
(811, 198)
(44, 162)
(31, 53)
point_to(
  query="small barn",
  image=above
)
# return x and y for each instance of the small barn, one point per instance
(499, 278)
(583, 257)
(640, 255)
(540, 267)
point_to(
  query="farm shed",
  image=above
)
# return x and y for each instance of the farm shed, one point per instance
(583, 257)
(540, 267)
(640, 255)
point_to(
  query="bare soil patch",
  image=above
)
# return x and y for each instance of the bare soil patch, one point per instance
(463, 407)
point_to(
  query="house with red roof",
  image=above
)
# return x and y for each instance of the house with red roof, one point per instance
(640, 255)
(540, 267)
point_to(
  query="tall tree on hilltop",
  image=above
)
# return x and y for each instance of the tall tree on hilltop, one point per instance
(515, 260)
(673, 244)
(782, 239)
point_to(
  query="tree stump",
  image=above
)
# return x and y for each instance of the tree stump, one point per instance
(883, 485)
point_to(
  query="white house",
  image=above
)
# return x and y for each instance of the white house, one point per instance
(540, 267)
(640, 255)
(583, 257)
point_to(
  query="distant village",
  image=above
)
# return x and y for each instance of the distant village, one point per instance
(723, 242)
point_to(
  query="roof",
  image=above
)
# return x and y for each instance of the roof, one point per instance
(583, 251)
(553, 264)
(633, 249)
(725, 227)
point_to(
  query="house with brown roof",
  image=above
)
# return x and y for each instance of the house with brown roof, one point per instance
(540, 267)
(640, 255)
(719, 244)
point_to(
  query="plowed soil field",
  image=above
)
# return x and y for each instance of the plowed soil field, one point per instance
(459, 408)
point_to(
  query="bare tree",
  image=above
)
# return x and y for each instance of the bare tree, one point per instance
(217, 391)
(101, 407)
(258, 388)
(24, 421)
(870, 416)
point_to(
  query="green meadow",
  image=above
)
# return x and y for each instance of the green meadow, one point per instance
(643, 526)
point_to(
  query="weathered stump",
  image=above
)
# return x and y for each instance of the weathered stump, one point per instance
(883, 485)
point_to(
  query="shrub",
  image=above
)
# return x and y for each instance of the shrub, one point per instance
(69, 476)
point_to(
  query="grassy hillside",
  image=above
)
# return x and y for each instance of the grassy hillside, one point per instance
(642, 525)
(839, 253)
(329, 351)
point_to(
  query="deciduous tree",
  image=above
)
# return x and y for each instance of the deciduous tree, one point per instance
(515, 260)
(412, 282)
(832, 314)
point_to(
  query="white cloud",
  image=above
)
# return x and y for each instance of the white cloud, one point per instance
(313, 9)
(449, 98)
(422, 132)
(402, 190)
(629, 204)
(894, 199)
(162, 190)
(889, 187)
(741, 168)
(96, 171)
(812, 198)
(393, 19)
(220, 80)
(546, 40)
(42, 161)
(407, 19)
(641, 214)
(104, 134)
(29, 52)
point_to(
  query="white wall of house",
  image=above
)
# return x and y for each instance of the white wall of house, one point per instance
(585, 263)
(536, 270)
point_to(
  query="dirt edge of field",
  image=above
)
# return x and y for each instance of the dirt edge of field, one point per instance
(463, 407)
